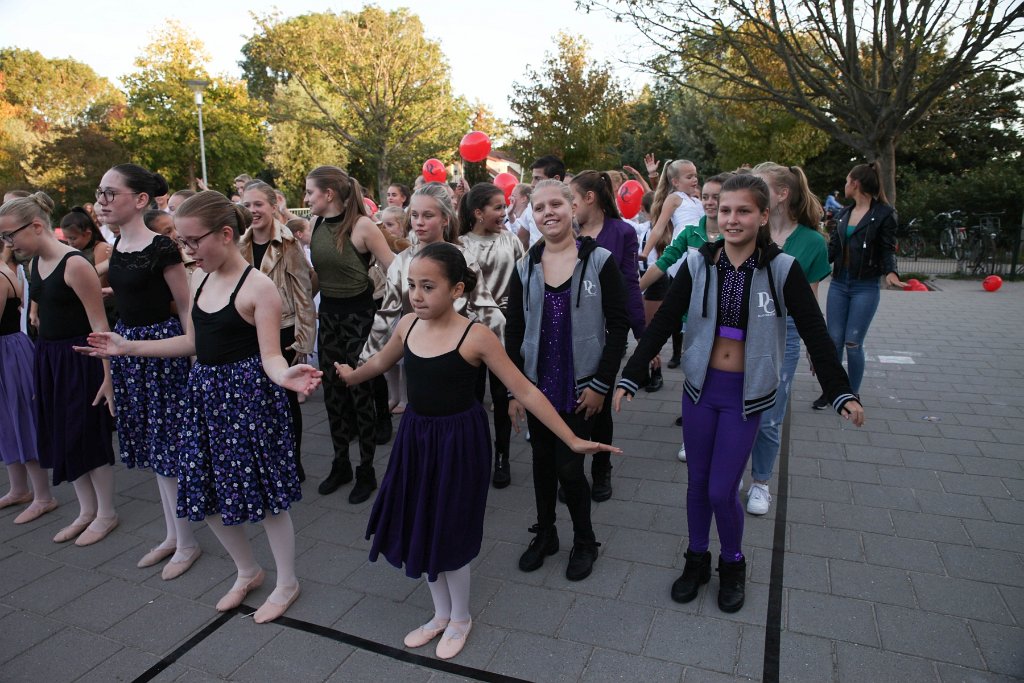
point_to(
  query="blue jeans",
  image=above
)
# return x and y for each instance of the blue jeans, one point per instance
(849, 309)
(766, 446)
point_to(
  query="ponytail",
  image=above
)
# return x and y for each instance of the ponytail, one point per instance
(802, 206)
(477, 198)
(27, 209)
(870, 181)
(215, 211)
(452, 262)
(600, 183)
(349, 196)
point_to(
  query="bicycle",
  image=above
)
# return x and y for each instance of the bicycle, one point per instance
(953, 233)
(980, 249)
(912, 246)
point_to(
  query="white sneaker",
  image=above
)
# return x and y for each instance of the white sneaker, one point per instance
(758, 499)
(682, 453)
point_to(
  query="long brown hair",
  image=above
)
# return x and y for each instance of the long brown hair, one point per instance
(601, 184)
(661, 193)
(803, 206)
(870, 181)
(349, 193)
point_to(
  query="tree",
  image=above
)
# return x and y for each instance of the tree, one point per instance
(572, 108)
(369, 80)
(864, 73)
(161, 130)
(55, 124)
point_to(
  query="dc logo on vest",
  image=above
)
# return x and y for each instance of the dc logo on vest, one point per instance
(589, 287)
(766, 304)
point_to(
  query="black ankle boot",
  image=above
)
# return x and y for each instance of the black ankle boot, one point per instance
(366, 484)
(502, 474)
(341, 473)
(543, 544)
(732, 577)
(382, 430)
(602, 488)
(673, 362)
(696, 571)
(301, 473)
(657, 381)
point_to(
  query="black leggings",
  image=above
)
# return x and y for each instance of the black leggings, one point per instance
(554, 463)
(499, 397)
(350, 410)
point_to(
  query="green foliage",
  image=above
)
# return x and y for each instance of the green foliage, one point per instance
(161, 129)
(369, 81)
(55, 125)
(573, 108)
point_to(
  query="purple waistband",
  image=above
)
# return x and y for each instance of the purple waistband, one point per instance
(732, 332)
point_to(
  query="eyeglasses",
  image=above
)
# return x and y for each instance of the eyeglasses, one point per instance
(192, 243)
(108, 195)
(8, 237)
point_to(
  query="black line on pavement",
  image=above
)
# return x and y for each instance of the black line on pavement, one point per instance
(155, 670)
(331, 634)
(393, 652)
(773, 624)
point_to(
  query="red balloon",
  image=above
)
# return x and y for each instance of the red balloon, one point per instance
(919, 287)
(475, 146)
(630, 198)
(992, 283)
(913, 282)
(434, 171)
(370, 206)
(506, 182)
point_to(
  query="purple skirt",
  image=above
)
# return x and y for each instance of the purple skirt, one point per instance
(17, 393)
(429, 513)
(238, 449)
(74, 435)
(150, 397)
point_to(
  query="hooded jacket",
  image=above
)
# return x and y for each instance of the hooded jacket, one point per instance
(598, 316)
(778, 288)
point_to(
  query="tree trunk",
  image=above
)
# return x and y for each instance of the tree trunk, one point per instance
(885, 157)
(192, 175)
(383, 182)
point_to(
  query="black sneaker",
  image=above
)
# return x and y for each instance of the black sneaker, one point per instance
(656, 383)
(581, 560)
(673, 362)
(696, 571)
(679, 421)
(821, 403)
(543, 544)
(602, 488)
(382, 431)
(341, 473)
(366, 484)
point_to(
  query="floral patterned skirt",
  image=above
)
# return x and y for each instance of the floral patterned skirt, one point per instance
(237, 450)
(149, 394)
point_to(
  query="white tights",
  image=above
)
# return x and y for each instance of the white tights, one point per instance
(451, 596)
(95, 492)
(179, 530)
(19, 475)
(280, 535)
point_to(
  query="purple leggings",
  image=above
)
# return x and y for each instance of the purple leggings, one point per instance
(718, 442)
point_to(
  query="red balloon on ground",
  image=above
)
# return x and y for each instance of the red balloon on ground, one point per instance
(913, 282)
(919, 287)
(475, 146)
(434, 171)
(506, 182)
(370, 206)
(630, 198)
(992, 283)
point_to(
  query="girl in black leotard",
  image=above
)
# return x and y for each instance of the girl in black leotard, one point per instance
(74, 425)
(429, 513)
(238, 459)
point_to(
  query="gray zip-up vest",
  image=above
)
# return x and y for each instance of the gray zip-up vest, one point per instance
(765, 342)
(587, 315)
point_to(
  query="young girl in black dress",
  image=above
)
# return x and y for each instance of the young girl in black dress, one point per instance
(429, 513)
(237, 460)
(74, 425)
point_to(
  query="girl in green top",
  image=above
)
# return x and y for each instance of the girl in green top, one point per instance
(793, 208)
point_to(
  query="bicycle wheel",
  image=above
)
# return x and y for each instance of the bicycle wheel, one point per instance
(946, 242)
(976, 254)
(914, 247)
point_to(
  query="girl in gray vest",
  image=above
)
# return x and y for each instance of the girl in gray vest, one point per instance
(737, 292)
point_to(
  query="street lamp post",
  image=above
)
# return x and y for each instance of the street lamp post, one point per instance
(197, 87)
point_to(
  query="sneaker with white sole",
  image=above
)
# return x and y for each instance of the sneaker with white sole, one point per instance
(759, 500)
(682, 453)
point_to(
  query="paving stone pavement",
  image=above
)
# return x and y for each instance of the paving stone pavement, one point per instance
(903, 557)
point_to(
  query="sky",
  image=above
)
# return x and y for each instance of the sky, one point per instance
(489, 44)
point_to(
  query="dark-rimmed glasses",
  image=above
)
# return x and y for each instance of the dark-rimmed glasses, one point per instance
(192, 243)
(108, 195)
(8, 237)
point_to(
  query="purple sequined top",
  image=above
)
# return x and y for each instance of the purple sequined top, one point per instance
(554, 359)
(734, 283)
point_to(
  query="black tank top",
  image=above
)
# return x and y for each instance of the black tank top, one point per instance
(10, 321)
(440, 385)
(61, 313)
(224, 336)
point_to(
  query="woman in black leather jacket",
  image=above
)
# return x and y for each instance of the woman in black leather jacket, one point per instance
(862, 249)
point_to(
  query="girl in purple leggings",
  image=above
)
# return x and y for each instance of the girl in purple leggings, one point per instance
(737, 292)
